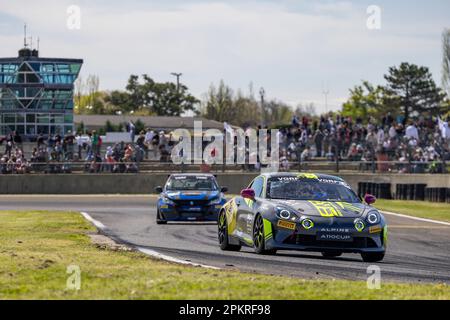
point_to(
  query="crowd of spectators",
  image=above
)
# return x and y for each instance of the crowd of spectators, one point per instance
(422, 140)
(58, 154)
(415, 146)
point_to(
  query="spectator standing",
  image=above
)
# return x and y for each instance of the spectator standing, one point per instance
(40, 140)
(131, 130)
(80, 144)
(148, 141)
(412, 132)
(318, 140)
(69, 140)
(17, 139)
(95, 143)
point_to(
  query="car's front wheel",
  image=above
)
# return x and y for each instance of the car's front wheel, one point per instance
(223, 234)
(372, 256)
(158, 218)
(259, 242)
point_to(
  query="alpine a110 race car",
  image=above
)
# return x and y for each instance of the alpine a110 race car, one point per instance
(309, 212)
(190, 197)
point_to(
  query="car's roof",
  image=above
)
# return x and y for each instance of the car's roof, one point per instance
(296, 174)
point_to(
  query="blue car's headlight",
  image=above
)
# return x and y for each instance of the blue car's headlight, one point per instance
(286, 214)
(373, 217)
(166, 200)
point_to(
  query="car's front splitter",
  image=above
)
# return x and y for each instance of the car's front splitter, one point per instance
(325, 236)
(172, 214)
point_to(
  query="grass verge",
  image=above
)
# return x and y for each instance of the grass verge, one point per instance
(422, 209)
(37, 247)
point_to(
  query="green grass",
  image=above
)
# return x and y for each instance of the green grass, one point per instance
(36, 248)
(422, 209)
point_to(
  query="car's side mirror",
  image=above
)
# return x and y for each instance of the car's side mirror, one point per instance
(159, 189)
(369, 199)
(224, 189)
(248, 194)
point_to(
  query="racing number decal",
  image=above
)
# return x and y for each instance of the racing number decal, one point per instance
(326, 209)
(231, 210)
(349, 206)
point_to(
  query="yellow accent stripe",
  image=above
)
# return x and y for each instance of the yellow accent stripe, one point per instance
(249, 202)
(326, 209)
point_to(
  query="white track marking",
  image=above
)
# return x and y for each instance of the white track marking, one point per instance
(416, 218)
(161, 256)
(149, 252)
(96, 223)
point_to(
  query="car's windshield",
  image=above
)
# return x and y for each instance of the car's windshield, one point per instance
(203, 183)
(299, 188)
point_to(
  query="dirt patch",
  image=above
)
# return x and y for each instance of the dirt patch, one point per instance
(103, 242)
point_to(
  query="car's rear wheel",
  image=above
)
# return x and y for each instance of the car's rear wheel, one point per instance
(259, 242)
(224, 242)
(372, 256)
(331, 254)
(158, 218)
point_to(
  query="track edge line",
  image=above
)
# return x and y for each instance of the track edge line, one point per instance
(148, 252)
(415, 218)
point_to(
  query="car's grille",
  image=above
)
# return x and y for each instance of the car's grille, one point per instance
(191, 203)
(306, 240)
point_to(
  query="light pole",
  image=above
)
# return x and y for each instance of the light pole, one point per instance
(262, 93)
(326, 92)
(177, 75)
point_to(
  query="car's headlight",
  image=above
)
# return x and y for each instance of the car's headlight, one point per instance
(215, 201)
(286, 214)
(373, 217)
(307, 223)
(359, 225)
(167, 200)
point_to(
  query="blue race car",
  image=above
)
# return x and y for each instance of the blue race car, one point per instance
(190, 197)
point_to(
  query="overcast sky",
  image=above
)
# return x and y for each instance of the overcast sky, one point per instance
(294, 49)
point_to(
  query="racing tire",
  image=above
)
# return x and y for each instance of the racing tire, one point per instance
(158, 219)
(259, 242)
(222, 233)
(331, 254)
(372, 256)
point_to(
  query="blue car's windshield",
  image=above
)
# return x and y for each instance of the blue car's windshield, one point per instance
(202, 183)
(293, 188)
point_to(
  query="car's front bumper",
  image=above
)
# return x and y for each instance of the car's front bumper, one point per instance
(184, 213)
(328, 234)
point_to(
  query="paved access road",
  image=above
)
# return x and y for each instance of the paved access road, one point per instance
(418, 251)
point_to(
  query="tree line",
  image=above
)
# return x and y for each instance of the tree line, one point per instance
(409, 91)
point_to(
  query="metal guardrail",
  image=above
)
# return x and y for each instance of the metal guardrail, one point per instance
(156, 166)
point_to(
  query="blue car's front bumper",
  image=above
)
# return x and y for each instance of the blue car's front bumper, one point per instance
(185, 211)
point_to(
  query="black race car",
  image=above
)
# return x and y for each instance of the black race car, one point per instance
(310, 212)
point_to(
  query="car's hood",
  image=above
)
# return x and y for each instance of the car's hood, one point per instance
(192, 195)
(325, 208)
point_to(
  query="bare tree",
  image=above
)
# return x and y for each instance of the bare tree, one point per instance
(79, 90)
(446, 60)
(92, 83)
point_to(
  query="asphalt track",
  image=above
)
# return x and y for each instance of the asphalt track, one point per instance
(418, 251)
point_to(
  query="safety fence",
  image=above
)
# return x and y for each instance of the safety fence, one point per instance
(416, 192)
(381, 167)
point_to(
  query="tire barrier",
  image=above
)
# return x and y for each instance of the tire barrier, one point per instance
(437, 194)
(410, 192)
(379, 190)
